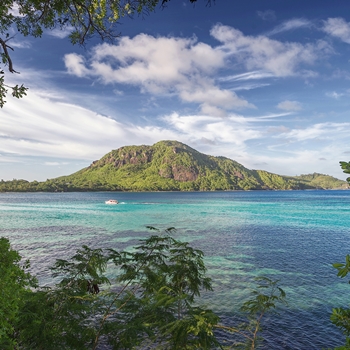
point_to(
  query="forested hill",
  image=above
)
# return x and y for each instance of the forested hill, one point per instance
(170, 166)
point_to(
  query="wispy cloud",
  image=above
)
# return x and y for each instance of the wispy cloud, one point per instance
(268, 15)
(335, 95)
(41, 127)
(269, 116)
(254, 75)
(289, 105)
(278, 58)
(23, 44)
(55, 163)
(341, 74)
(321, 130)
(338, 28)
(292, 24)
(248, 87)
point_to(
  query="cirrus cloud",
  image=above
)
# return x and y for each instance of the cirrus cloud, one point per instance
(291, 24)
(329, 130)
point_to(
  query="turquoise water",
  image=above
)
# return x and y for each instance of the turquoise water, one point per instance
(293, 236)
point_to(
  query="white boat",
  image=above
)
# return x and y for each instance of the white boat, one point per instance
(111, 201)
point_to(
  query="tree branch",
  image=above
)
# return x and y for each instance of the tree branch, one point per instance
(5, 48)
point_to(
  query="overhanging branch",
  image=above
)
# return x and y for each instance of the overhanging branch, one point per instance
(5, 48)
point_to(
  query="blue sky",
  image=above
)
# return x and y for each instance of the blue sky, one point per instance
(266, 83)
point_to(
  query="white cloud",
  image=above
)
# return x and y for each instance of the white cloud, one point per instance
(338, 28)
(160, 66)
(156, 63)
(262, 53)
(187, 68)
(291, 24)
(289, 105)
(76, 65)
(60, 33)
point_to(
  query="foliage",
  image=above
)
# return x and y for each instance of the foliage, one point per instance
(168, 166)
(321, 181)
(14, 283)
(84, 18)
(151, 302)
(61, 317)
(160, 282)
(273, 181)
(264, 299)
(346, 169)
(341, 316)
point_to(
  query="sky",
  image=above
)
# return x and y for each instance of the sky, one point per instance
(265, 83)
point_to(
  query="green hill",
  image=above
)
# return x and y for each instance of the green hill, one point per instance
(170, 166)
(321, 181)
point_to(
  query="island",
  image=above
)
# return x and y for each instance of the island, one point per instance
(170, 166)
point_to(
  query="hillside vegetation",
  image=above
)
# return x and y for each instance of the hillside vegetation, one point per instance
(170, 166)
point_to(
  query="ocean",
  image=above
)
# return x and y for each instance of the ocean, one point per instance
(292, 236)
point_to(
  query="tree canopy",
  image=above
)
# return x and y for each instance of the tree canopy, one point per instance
(84, 19)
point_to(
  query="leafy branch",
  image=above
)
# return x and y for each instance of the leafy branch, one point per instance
(264, 299)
